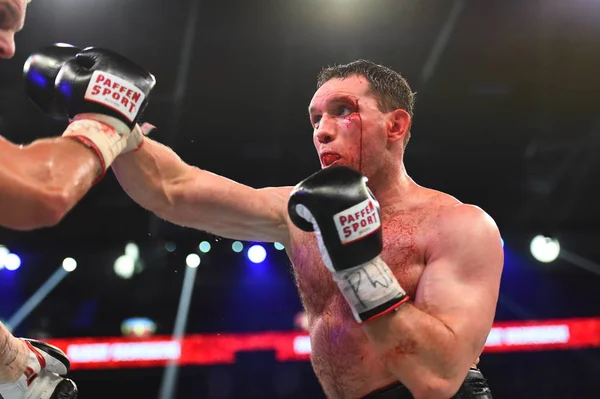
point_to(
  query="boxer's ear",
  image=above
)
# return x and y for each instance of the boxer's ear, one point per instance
(398, 124)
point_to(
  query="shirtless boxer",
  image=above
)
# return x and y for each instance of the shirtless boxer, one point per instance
(400, 291)
(41, 182)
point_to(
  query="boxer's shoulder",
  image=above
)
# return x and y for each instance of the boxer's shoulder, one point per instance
(461, 225)
(437, 207)
(438, 214)
(420, 206)
(459, 216)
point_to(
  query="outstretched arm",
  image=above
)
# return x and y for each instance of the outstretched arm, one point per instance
(41, 182)
(431, 342)
(157, 179)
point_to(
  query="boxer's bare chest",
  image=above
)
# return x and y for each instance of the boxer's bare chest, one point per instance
(341, 356)
(403, 250)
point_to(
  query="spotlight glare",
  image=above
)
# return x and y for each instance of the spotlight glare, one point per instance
(192, 260)
(544, 249)
(204, 246)
(257, 254)
(278, 246)
(132, 250)
(237, 246)
(3, 254)
(124, 266)
(138, 327)
(69, 264)
(170, 246)
(12, 262)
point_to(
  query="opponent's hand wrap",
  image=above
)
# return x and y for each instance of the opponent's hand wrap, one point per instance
(94, 131)
(44, 375)
(101, 93)
(336, 204)
(104, 94)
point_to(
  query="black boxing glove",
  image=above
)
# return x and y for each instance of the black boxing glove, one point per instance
(104, 94)
(40, 71)
(338, 206)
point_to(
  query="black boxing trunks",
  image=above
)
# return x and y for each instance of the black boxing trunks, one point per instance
(474, 387)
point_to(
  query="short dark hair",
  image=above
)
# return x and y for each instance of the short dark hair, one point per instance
(390, 88)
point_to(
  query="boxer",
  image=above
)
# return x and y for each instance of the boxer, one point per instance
(400, 282)
(102, 95)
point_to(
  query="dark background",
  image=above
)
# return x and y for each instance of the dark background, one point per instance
(506, 118)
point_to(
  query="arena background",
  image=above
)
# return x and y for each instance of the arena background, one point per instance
(506, 118)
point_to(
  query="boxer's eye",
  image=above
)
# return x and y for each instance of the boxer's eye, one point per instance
(343, 110)
(315, 121)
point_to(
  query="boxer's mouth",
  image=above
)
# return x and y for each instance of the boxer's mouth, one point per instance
(329, 158)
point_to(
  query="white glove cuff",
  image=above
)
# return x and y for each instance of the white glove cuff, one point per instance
(368, 286)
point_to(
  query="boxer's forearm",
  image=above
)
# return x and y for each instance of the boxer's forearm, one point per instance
(149, 174)
(158, 180)
(420, 350)
(41, 182)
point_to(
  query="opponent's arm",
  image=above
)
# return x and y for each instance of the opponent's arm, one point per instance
(41, 182)
(157, 179)
(430, 343)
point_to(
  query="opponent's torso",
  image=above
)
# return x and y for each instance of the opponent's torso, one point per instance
(341, 355)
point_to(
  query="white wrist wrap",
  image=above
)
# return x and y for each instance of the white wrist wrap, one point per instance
(368, 286)
(107, 136)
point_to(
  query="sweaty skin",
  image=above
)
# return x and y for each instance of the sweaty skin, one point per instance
(446, 255)
(41, 182)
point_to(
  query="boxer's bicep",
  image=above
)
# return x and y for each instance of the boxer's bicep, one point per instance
(461, 280)
(223, 207)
